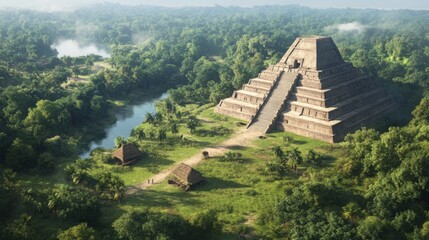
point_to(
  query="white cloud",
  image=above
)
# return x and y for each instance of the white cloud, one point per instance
(356, 27)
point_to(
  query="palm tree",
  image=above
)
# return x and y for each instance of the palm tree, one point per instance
(79, 176)
(162, 134)
(314, 157)
(119, 141)
(110, 186)
(169, 106)
(83, 164)
(294, 158)
(192, 123)
(174, 128)
(159, 118)
(24, 227)
(9, 179)
(139, 133)
(278, 152)
(149, 118)
(118, 189)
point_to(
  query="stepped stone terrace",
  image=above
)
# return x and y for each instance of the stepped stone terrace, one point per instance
(312, 92)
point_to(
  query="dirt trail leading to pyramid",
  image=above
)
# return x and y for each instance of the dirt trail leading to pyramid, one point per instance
(242, 138)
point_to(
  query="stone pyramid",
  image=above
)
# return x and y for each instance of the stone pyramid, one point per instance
(312, 92)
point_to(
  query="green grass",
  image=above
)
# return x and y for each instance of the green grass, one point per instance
(164, 154)
(103, 64)
(84, 78)
(239, 192)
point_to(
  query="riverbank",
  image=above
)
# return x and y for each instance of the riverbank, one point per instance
(126, 117)
(160, 156)
(96, 134)
(242, 138)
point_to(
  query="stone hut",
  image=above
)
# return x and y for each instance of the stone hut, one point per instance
(127, 154)
(185, 177)
(312, 92)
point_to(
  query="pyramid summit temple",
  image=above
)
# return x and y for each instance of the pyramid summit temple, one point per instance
(312, 92)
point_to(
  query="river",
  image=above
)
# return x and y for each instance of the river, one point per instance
(75, 48)
(128, 118)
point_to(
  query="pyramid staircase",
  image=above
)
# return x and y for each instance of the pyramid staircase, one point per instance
(245, 103)
(266, 117)
(312, 92)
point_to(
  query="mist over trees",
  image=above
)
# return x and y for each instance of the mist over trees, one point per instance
(200, 55)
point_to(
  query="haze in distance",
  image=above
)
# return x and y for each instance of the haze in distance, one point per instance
(71, 5)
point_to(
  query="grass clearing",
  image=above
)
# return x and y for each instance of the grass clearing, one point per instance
(162, 155)
(240, 192)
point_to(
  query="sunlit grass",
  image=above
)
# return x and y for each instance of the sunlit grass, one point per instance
(170, 151)
(239, 192)
(103, 64)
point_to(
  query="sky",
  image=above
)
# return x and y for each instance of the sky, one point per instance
(70, 5)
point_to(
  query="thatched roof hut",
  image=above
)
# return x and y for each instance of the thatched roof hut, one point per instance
(186, 176)
(127, 154)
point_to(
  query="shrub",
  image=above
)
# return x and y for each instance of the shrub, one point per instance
(111, 187)
(73, 204)
(231, 157)
(204, 223)
(213, 131)
(314, 158)
(78, 232)
(137, 225)
(46, 163)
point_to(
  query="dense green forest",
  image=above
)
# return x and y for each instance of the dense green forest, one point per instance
(377, 189)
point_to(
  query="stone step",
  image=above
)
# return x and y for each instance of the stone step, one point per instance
(257, 89)
(250, 97)
(234, 113)
(350, 88)
(268, 77)
(249, 93)
(308, 126)
(261, 82)
(266, 115)
(341, 108)
(240, 103)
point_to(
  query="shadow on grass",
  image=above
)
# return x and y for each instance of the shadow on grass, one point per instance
(153, 198)
(298, 142)
(200, 144)
(237, 147)
(328, 158)
(160, 161)
(213, 183)
(207, 121)
(109, 213)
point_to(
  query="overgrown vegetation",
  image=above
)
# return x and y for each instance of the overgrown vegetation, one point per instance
(372, 186)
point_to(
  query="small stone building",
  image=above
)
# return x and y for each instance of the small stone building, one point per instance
(127, 154)
(185, 177)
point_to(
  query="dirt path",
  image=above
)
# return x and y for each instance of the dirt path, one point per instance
(242, 138)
